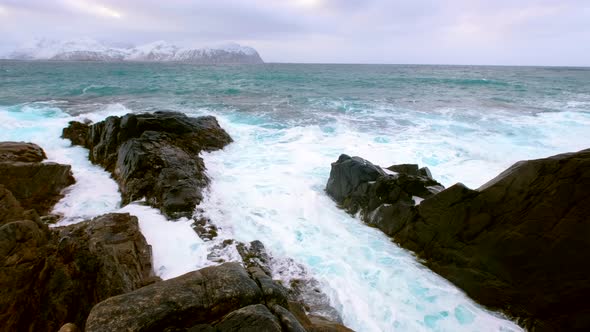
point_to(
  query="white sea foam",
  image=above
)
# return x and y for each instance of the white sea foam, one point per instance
(268, 185)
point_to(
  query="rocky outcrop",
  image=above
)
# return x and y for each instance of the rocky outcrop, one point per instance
(519, 243)
(386, 198)
(226, 297)
(155, 156)
(36, 185)
(49, 277)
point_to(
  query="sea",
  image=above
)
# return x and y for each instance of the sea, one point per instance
(289, 122)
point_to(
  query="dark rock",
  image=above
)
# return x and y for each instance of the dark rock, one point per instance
(10, 209)
(22, 152)
(518, 244)
(273, 292)
(253, 318)
(77, 133)
(385, 201)
(254, 255)
(202, 328)
(51, 277)
(348, 174)
(155, 156)
(34, 184)
(409, 169)
(288, 321)
(194, 298)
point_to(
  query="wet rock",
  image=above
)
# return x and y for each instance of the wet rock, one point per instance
(77, 133)
(194, 298)
(155, 156)
(254, 255)
(386, 201)
(49, 277)
(253, 318)
(517, 244)
(34, 184)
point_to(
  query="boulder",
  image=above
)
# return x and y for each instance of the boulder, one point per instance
(49, 277)
(386, 199)
(154, 155)
(194, 298)
(34, 184)
(225, 297)
(253, 318)
(518, 244)
(21, 152)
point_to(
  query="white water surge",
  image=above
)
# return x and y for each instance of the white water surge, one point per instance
(268, 186)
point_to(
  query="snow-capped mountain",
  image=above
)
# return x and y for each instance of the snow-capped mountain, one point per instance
(91, 50)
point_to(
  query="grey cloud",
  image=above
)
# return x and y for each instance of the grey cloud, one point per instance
(421, 31)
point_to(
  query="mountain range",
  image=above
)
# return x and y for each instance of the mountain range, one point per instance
(160, 51)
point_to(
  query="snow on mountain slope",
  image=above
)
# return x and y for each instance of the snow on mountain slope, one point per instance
(91, 50)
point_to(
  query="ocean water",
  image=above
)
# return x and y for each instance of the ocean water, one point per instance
(289, 122)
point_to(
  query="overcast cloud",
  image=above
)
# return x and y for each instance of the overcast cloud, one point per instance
(527, 32)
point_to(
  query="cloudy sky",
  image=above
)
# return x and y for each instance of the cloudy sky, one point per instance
(527, 32)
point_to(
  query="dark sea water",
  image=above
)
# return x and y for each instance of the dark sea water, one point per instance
(289, 122)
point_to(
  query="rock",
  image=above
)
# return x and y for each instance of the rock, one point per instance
(287, 319)
(194, 298)
(253, 318)
(155, 156)
(347, 174)
(518, 244)
(21, 152)
(386, 201)
(320, 324)
(49, 277)
(77, 133)
(69, 327)
(10, 209)
(34, 184)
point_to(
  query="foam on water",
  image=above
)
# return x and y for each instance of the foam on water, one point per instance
(268, 186)
(94, 192)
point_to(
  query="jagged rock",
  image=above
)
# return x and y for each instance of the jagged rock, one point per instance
(77, 133)
(155, 156)
(386, 201)
(49, 277)
(253, 318)
(519, 243)
(34, 184)
(347, 174)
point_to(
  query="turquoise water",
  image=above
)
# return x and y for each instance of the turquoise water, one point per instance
(289, 122)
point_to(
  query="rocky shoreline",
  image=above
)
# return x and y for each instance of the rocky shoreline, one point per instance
(97, 275)
(517, 244)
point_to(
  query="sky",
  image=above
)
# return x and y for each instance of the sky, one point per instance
(494, 32)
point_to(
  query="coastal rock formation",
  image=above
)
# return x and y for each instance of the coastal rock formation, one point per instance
(49, 277)
(220, 298)
(517, 244)
(387, 197)
(155, 156)
(36, 185)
